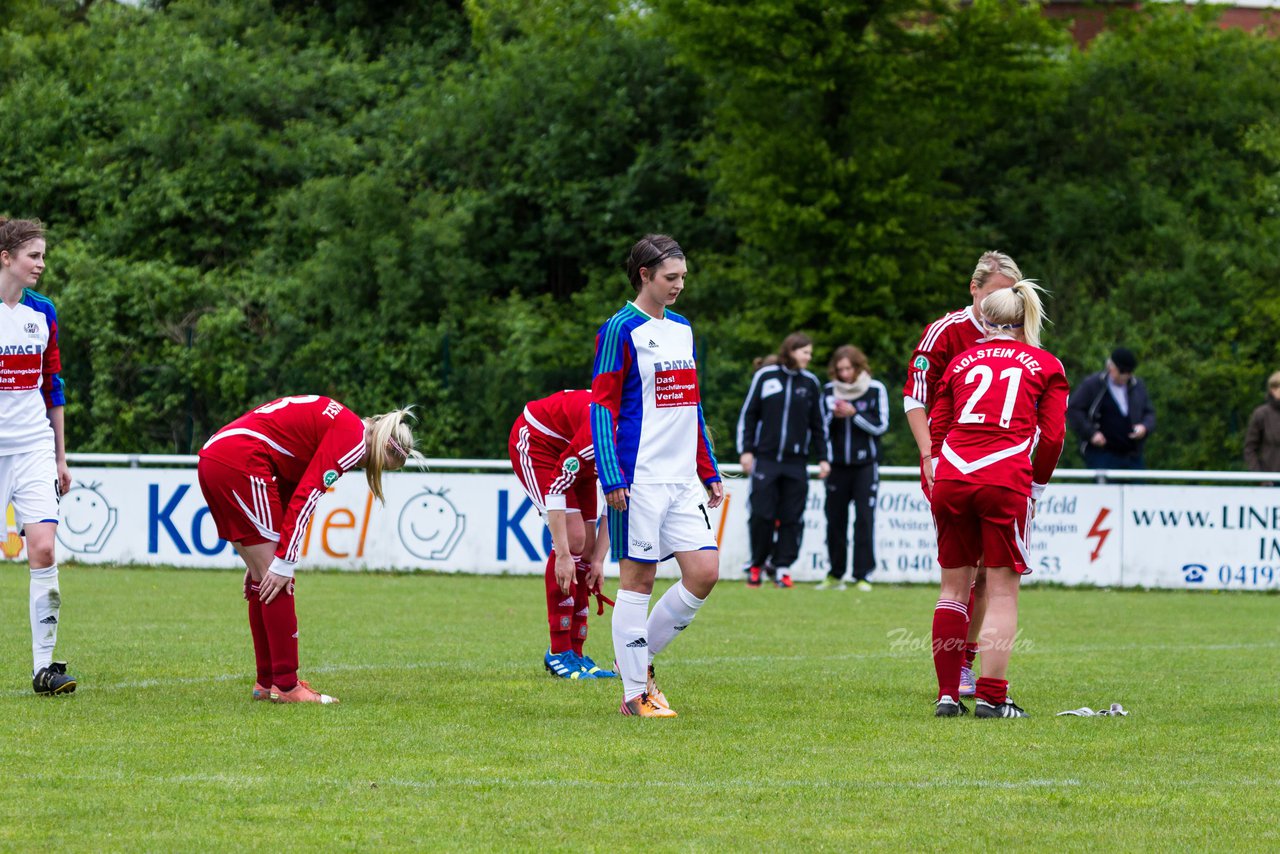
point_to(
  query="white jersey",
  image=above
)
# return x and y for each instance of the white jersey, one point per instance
(29, 382)
(646, 415)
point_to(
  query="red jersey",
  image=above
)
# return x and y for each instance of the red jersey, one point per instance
(942, 341)
(564, 418)
(306, 442)
(996, 404)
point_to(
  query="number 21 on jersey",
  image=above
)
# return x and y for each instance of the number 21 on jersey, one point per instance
(983, 375)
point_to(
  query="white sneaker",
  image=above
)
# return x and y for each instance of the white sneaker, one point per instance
(863, 585)
(830, 583)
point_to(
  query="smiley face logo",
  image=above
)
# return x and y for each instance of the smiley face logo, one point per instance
(87, 519)
(430, 526)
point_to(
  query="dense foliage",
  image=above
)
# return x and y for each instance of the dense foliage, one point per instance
(429, 202)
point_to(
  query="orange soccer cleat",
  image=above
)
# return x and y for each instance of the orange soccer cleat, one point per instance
(644, 707)
(654, 692)
(301, 693)
(260, 693)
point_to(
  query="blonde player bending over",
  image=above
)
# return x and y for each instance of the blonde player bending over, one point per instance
(262, 476)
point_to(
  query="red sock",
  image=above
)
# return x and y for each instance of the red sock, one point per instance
(970, 653)
(261, 647)
(581, 606)
(559, 610)
(281, 623)
(949, 622)
(994, 691)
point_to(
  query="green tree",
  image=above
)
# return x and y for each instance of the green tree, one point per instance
(839, 146)
(1148, 206)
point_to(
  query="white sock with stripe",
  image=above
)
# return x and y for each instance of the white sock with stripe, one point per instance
(45, 603)
(672, 615)
(630, 643)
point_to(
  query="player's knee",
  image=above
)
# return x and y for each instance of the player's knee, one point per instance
(700, 578)
(40, 555)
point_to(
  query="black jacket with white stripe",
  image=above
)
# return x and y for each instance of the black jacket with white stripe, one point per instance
(853, 439)
(783, 416)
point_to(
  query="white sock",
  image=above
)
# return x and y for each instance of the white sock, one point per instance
(672, 615)
(45, 602)
(630, 646)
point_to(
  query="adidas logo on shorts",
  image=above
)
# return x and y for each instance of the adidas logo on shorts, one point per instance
(638, 643)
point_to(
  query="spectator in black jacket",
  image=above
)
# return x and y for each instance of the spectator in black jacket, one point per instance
(857, 409)
(780, 425)
(1112, 414)
(1262, 436)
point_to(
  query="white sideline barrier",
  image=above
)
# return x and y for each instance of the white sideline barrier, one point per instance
(121, 509)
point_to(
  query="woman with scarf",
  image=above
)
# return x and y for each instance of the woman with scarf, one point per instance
(857, 409)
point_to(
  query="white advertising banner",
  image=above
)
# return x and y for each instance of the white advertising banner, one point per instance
(1210, 537)
(1093, 534)
(1074, 538)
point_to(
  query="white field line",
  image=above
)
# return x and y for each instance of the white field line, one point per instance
(714, 787)
(246, 781)
(247, 675)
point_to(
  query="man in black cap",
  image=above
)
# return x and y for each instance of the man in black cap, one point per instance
(1112, 415)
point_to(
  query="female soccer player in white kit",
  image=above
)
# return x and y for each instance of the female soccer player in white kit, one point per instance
(656, 467)
(997, 427)
(33, 457)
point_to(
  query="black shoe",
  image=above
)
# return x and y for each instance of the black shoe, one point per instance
(53, 680)
(1007, 709)
(949, 708)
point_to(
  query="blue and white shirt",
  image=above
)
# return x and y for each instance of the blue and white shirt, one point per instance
(646, 411)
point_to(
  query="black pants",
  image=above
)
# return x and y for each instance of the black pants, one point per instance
(857, 484)
(778, 495)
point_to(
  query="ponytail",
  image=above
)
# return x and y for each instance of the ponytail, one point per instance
(1014, 307)
(390, 445)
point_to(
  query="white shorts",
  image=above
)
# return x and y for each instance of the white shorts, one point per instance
(660, 520)
(30, 482)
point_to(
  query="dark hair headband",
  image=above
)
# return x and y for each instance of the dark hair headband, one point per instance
(676, 252)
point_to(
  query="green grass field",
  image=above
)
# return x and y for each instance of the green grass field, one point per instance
(804, 724)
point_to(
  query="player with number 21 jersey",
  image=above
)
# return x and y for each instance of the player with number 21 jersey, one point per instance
(996, 404)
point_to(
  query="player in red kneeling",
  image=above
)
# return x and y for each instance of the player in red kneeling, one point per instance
(553, 456)
(997, 427)
(262, 476)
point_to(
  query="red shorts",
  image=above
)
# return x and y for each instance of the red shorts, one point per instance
(243, 500)
(978, 523)
(535, 458)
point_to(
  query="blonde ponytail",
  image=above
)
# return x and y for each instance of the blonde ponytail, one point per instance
(390, 445)
(1018, 306)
